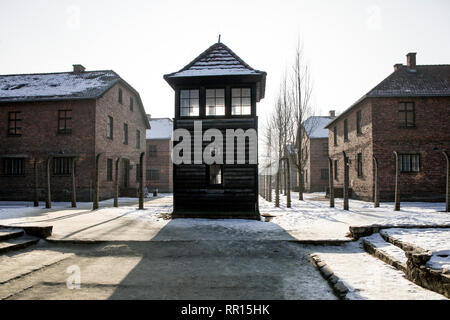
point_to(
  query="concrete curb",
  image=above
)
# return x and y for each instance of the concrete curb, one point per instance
(36, 231)
(370, 248)
(357, 232)
(338, 286)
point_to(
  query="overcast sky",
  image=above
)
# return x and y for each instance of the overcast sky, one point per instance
(350, 45)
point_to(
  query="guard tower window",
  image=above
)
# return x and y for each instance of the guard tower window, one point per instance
(215, 174)
(189, 103)
(215, 102)
(240, 101)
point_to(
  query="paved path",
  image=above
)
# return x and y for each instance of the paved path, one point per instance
(172, 270)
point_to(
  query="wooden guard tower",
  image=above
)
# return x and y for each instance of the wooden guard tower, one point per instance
(219, 89)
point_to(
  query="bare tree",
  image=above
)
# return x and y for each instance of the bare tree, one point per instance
(300, 95)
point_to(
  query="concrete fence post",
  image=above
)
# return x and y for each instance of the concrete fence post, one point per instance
(376, 195)
(330, 181)
(447, 191)
(35, 193)
(141, 181)
(397, 181)
(48, 197)
(346, 181)
(74, 190)
(96, 182)
(288, 183)
(116, 184)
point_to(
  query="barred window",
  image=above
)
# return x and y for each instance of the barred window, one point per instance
(335, 170)
(14, 128)
(109, 169)
(360, 165)
(241, 101)
(324, 174)
(152, 174)
(189, 103)
(131, 104)
(110, 127)
(215, 174)
(215, 102)
(125, 133)
(13, 166)
(120, 96)
(409, 163)
(138, 139)
(62, 166)
(406, 114)
(359, 122)
(346, 130)
(65, 121)
(152, 151)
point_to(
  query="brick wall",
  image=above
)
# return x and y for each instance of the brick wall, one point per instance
(362, 186)
(161, 161)
(317, 160)
(108, 105)
(39, 140)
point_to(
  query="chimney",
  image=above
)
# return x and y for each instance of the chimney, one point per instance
(411, 60)
(397, 66)
(333, 113)
(78, 68)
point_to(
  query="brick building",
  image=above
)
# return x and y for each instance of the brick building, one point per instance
(408, 112)
(159, 155)
(65, 116)
(316, 167)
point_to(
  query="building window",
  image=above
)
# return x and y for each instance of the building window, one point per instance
(325, 149)
(152, 174)
(346, 130)
(189, 103)
(324, 174)
(62, 166)
(13, 166)
(120, 96)
(406, 115)
(131, 104)
(335, 170)
(335, 136)
(138, 139)
(241, 101)
(215, 102)
(65, 121)
(152, 151)
(215, 174)
(14, 128)
(360, 165)
(109, 128)
(109, 170)
(359, 122)
(125, 133)
(409, 163)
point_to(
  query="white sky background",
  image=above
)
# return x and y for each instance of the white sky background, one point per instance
(350, 45)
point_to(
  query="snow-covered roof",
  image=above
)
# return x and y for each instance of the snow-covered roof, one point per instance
(315, 126)
(217, 60)
(161, 128)
(56, 86)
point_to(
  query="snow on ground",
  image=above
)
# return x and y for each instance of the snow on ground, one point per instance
(435, 240)
(314, 214)
(368, 277)
(387, 248)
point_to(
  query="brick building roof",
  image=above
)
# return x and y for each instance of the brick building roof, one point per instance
(420, 81)
(56, 86)
(315, 126)
(161, 129)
